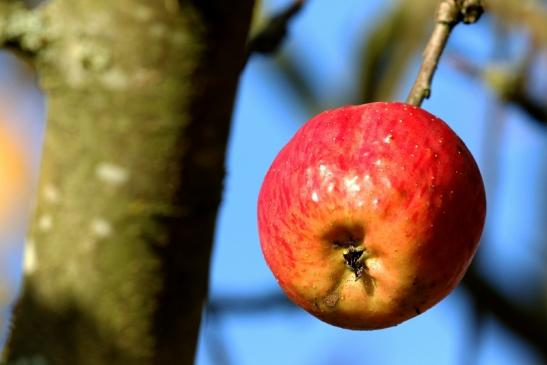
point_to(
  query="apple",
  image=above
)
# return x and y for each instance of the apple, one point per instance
(371, 214)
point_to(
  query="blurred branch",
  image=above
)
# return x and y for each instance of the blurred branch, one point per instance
(249, 305)
(293, 74)
(528, 324)
(449, 14)
(522, 15)
(219, 306)
(535, 109)
(525, 322)
(516, 92)
(21, 29)
(389, 48)
(270, 37)
(217, 348)
(510, 86)
(471, 350)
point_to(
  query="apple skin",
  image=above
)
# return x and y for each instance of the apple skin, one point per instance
(371, 214)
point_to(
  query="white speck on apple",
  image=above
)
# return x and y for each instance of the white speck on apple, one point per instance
(314, 197)
(351, 184)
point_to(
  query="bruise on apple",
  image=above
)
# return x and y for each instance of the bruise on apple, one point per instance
(331, 299)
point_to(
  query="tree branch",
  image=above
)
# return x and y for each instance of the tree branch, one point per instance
(528, 324)
(509, 86)
(139, 110)
(449, 13)
(249, 305)
(270, 37)
(523, 321)
(534, 109)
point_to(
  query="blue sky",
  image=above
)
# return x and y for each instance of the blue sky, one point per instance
(325, 38)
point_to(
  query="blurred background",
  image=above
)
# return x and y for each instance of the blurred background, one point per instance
(491, 88)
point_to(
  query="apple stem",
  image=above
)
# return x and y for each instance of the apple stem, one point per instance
(449, 14)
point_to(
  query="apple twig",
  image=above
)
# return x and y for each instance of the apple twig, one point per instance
(449, 14)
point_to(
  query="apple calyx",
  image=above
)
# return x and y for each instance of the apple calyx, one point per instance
(349, 238)
(353, 257)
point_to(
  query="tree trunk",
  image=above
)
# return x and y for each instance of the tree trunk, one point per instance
(139, 98)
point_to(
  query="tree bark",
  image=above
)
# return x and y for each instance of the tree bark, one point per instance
(139, 98)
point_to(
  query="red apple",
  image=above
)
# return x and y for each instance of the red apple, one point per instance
(371, 214)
